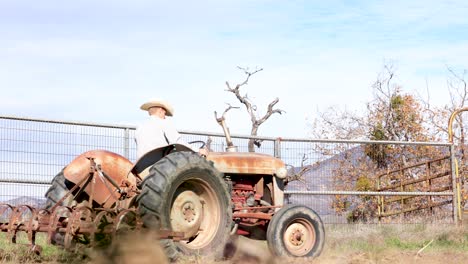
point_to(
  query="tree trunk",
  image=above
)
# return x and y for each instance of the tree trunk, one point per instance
(253, 132)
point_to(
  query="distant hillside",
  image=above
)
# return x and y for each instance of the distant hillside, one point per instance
(31, 201)
(320, 178)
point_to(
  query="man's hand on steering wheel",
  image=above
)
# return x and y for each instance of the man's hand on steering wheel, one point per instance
(202, 150)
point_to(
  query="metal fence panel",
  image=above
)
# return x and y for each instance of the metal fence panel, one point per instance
(339, 176)
(33, 151)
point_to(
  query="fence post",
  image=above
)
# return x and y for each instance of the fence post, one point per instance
(127, 143)
(379, 201)
(277, 149)
(454, 183)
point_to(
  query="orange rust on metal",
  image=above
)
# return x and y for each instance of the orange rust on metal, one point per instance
(256, 215)
(245, 162)
(114, 165)
(259, 189)
(257, 207)
(70, 223)
(176, 236)
(67, 221)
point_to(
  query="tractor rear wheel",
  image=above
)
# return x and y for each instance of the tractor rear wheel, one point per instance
(59, 187)
(296, 231)
(185, 193)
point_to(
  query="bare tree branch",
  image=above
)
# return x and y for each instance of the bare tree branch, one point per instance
(252, 108)
(299, 176)
(269, 112)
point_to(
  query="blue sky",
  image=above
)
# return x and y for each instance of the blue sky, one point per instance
(98, 61)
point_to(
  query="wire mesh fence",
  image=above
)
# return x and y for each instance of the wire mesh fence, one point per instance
(339, 177)
(335, 178)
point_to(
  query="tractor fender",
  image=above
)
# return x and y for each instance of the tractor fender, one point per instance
(112, 164)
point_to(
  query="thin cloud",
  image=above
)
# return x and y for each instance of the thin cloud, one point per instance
(81, 59)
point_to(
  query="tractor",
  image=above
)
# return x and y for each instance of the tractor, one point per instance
(195, 203)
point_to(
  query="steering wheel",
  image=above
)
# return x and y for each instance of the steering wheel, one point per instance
(203, 143)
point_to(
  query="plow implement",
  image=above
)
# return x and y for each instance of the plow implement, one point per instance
(65, 225)
(68, 218)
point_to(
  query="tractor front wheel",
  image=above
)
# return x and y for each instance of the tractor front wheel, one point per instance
(296, 231)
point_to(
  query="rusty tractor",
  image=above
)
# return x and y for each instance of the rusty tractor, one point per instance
(195, 203)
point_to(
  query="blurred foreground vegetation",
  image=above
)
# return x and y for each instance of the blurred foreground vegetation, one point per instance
(416, 243)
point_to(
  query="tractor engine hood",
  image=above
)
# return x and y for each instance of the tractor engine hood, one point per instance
(247, 163)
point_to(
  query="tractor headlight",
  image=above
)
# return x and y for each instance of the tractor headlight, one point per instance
(281, 173)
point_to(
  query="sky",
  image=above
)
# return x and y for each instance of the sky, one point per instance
(98, 61)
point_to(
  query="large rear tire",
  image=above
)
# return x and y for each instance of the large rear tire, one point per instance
(185, 193)
(59, 187)
(296, 231)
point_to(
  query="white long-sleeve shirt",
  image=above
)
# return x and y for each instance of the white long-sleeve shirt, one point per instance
(155, 133)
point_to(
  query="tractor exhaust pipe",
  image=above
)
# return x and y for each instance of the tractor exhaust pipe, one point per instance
(221, 121)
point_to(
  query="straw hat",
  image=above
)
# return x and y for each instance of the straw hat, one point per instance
(158, 103)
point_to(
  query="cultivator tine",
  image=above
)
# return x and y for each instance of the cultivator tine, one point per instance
(102, 222)
(128, 219)
(65, 225)
(20, 218)
(56, 221)
(79, 222)
(5, 212)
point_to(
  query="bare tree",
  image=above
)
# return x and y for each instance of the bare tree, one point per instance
(391, 115)
(255, 118)
(335, 123)
(458, 97)
(437, 116)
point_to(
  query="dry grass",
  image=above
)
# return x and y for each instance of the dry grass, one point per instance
(370, 244)
(395, 243)
(344, 244)
(11, 253)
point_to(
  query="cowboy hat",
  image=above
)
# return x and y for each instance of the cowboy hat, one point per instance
(158, 103)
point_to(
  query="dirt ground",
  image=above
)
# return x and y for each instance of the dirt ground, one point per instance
(393, 257)
(359, 245)
(428, 244)
(251, 251)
